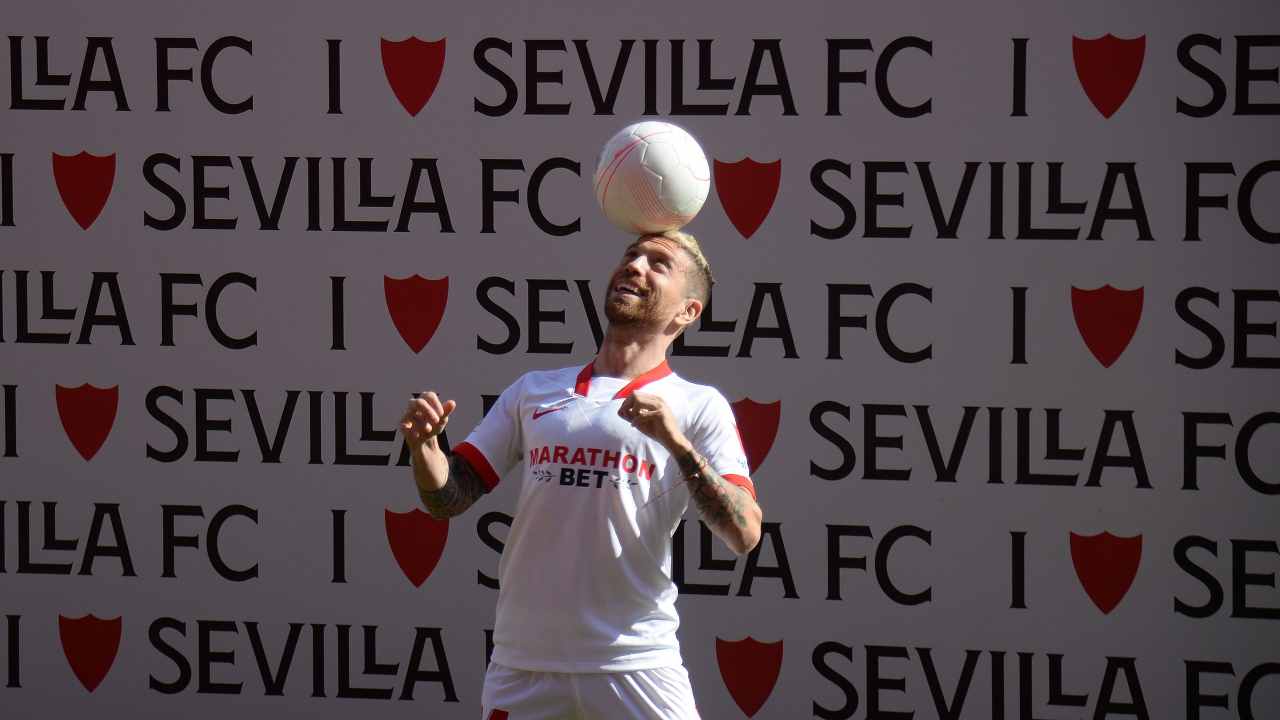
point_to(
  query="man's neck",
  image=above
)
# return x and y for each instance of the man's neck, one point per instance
(627, 354)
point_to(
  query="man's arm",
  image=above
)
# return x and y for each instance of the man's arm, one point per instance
(447, 485)
(461, 488)
(728, 509)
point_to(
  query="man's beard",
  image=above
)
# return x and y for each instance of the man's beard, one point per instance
(637, 314)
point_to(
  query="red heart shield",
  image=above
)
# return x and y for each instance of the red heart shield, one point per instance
(413, 70)
(90, 645)
(1108, 67)
(1106, 566)
(747, 190)
(417, 306)
(1107, 318)
(87, 414)
(750, 670)
(417, 542)
(84, 181)
(758, 426)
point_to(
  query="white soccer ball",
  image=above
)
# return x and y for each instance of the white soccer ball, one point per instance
(652, 177)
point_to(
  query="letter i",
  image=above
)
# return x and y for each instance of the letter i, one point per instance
(1019, 339)
(10, 421)
(13, 680)
(1018, 570)
(6, 189)
(335, 77)
(339, 546)
(336, 302)
(1019, 78)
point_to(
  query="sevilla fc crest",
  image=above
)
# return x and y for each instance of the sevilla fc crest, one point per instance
(87, 414)
(747, 190)
(417, 542)
(1106, 566)
(1108, 67)
(90, 645)
(758, 426)
(413, 70)
(84, 181)
(417, 306)
(1107, 319)
(750, 670)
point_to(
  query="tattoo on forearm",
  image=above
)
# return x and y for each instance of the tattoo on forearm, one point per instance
(462, 489)
(720, 502)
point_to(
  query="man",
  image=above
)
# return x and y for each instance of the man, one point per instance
(610, 455)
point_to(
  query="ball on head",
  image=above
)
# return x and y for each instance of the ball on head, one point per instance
(651, 177)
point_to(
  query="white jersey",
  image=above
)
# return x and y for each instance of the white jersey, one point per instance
(586, 572)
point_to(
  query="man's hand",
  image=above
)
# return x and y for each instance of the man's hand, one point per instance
(447, 486)
(729, 510)
(651, 416)
(424, 419)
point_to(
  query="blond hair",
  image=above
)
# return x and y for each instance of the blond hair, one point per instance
(700, 277)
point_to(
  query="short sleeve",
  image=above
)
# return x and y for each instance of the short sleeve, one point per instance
(717, 438)
(492, 448)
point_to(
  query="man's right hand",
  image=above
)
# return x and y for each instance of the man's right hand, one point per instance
(447, 486)
(424, 419)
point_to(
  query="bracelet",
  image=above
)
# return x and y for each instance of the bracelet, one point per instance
(696, 461)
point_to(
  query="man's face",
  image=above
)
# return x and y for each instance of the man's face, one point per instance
(649, 286)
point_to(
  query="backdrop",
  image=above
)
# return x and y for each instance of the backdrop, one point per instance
(997, 308)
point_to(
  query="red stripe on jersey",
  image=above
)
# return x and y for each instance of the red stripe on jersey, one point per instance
(583, 383)
(743, 483)
(657, 373)
(478, 462)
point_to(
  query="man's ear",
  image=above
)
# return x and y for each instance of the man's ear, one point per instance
(691, 311)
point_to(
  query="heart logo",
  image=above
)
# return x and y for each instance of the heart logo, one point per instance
(747, 190)
(1106, 566)
(90, 645)
(84, 182)
(413, 70)
(416, 305)
(87, 414)
(1107, 318)
(750, 670)
(758, 427)
(417, 541)
(1108, 68)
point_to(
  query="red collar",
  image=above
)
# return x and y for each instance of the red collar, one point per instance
(584, 380)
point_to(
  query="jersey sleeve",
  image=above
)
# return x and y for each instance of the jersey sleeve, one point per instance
(493, 447)
(717, 438)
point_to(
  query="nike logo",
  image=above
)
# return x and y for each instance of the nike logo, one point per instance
(539, 412)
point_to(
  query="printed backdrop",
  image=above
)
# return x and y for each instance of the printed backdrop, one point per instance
(997, 310)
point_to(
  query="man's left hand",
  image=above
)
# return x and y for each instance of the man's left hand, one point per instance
(651, 416)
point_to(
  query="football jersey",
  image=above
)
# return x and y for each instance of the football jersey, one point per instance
(585, 576)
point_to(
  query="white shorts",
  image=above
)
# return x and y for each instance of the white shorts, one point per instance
(657, 694)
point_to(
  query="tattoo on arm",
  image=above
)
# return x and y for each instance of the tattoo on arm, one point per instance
(462, 489)
(720, 502)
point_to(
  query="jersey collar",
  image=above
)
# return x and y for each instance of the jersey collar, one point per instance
(583, 383)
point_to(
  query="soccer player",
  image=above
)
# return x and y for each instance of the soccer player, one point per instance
(608, 457)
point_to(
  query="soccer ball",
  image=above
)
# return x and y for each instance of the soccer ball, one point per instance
(652, 177)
